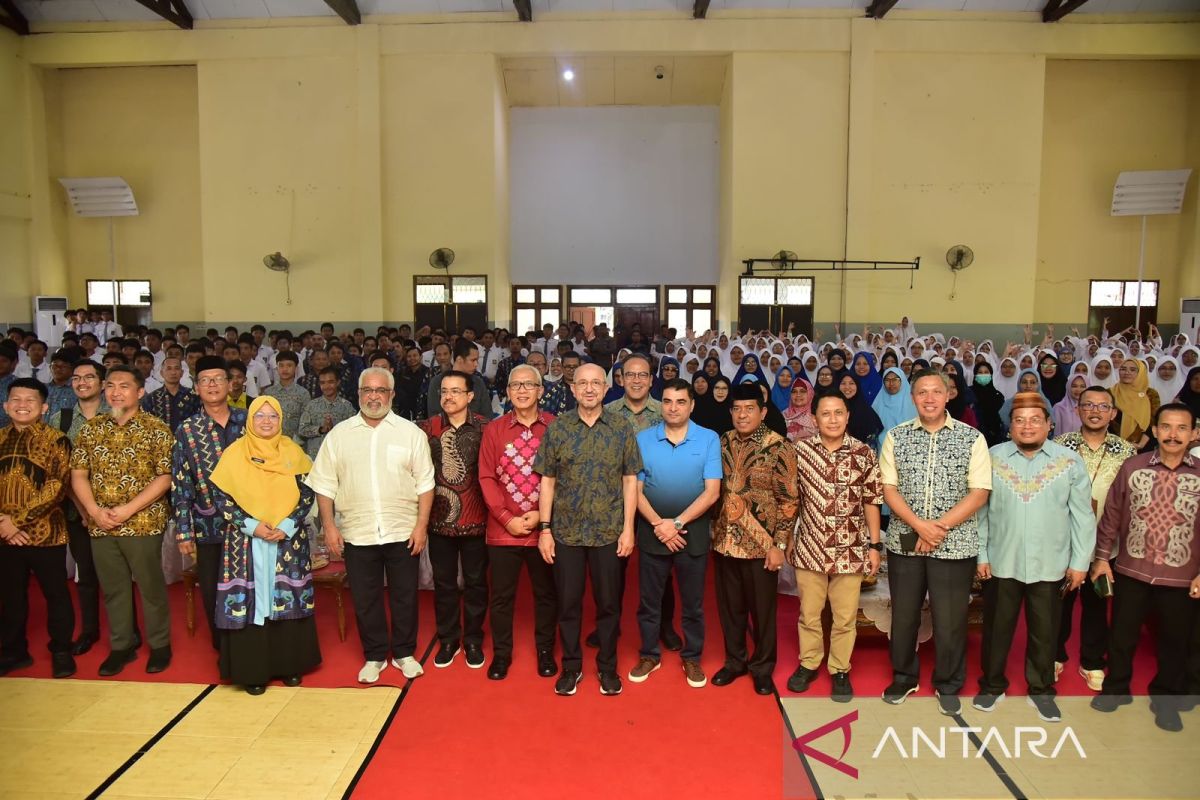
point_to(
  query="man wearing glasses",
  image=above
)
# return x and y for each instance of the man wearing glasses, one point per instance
(374, 481)
(457, 523)
(200, 440)
(87, 381)
(464, 358)
(1103, 453)
(642, 412)
(512, 489)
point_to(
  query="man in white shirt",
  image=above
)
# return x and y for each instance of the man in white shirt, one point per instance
(548, 344)
(490, 355)
(35, 364)
(374, 481)
(257, 376)
(106, 328)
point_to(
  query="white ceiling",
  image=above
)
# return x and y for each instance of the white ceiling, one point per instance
(127, 10)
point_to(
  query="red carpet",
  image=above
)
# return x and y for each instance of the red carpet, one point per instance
(195, 661)
(459, 735)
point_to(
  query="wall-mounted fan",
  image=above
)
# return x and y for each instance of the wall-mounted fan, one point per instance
(277, 263)
(783, 259)
(958, 258)
(441, 258)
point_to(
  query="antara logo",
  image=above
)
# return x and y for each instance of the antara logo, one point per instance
(973, 742)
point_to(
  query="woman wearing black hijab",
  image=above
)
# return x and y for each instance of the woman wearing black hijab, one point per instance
(711, 412)
(712, 368)
(865, 425)
(1053, 378)
(960, 406)
(988, 402)
(1189, 395)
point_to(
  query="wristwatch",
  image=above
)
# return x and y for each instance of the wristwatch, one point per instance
(876, 546)
(544, 526)
(678, 524)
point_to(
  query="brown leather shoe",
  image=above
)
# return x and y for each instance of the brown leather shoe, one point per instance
(645, 666)
(693, 673)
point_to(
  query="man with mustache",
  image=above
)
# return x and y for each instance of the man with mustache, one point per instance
(1150, 536)
(374, 481)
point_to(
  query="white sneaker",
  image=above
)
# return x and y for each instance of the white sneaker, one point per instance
(409, 666)
(1094, 678)
(370, 671)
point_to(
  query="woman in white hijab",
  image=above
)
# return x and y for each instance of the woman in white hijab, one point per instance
(690, 366)
(1167, 378)
(1104, 372)
(1006, 384)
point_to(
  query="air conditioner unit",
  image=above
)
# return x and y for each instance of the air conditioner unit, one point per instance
(1189, 317)
(50, 319)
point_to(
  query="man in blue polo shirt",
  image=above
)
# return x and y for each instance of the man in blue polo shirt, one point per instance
(680, 479)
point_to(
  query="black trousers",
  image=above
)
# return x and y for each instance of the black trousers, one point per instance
(49, 566)
(1002, 602)
(1093, 627)
(208, 573)
(366, 567)
(459, 612)
(505, 562)
(654, 573)
(746, 604)
(572, 565)
(666, 612)
(948, 584)
(88, 585)
(1173, 612)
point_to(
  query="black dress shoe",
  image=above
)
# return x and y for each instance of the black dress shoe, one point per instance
(1166, 716)
(84, 643)
(63, 665)
(116, 662)
(9, 664)
(763, 684)
(291, 680)
(255, 690)
(726, 676)
(547, 668)
(593, 639)
(498, 671)
(160, 659)
(670, 639)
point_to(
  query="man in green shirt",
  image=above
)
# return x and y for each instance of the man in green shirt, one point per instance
(589, 462)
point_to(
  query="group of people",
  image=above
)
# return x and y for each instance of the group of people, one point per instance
(1024, 468)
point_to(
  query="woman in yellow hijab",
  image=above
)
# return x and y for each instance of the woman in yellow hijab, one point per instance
(1136, 402)
(265, 595)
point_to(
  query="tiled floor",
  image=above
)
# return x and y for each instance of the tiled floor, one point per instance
(1126, 755)
(65, 738)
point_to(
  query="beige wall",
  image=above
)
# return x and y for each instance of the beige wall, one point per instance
(15, 209)
(357, 151)
(1104, 117)
(140, 124)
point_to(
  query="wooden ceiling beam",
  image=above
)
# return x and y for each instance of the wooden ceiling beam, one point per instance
(173, 11)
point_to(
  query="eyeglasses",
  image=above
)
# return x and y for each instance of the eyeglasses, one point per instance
(451, 392)
(84, 379)
(217, 381)
(1095, 406)
(524, 385)
(264, 417)
(637, 376)
(596, 384)
(367, 391)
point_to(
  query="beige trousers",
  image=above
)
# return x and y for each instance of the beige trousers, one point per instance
(842, 593)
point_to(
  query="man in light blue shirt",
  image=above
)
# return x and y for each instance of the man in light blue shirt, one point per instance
(1037, 535)
(679, 481)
